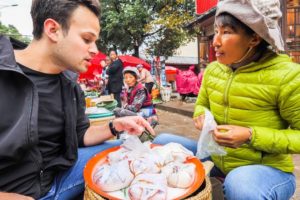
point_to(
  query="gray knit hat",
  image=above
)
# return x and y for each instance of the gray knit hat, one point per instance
(132, 69)
(260, 15)
(139, 66)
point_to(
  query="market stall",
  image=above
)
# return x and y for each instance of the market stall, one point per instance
(99, 109)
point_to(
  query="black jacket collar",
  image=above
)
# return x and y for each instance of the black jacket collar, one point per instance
(7, 58)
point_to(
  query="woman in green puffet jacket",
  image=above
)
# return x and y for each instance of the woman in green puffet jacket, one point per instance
(253, 93)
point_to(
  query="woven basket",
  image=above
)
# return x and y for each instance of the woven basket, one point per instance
(203, 193)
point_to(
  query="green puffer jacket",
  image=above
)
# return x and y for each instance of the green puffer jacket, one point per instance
(263, 95)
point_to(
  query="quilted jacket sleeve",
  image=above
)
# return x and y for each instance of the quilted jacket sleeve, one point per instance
(288, 140)
(202, 99)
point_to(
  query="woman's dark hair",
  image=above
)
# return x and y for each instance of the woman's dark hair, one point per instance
(132, 73)
(59, 10)
(228, 20)
(113, 50)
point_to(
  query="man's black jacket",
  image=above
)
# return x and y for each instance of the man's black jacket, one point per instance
(21, 169)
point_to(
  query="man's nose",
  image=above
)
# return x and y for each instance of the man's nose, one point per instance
(93, 49)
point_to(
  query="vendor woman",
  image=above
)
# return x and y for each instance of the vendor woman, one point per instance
(137, 99)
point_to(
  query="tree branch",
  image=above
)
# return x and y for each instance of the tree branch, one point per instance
(149, 34)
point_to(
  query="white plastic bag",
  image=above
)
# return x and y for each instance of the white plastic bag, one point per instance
(113, 177)
(206, 144)
(148, 187)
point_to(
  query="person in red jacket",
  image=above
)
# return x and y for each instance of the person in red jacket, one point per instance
(138, 99)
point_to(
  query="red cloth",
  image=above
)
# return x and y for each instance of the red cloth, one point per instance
(204, 5)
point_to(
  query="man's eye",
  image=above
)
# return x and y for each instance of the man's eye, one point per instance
(87, 40)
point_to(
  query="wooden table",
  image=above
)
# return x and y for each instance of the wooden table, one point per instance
(102, 120)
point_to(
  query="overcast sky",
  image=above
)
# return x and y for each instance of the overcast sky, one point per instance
(19, 15)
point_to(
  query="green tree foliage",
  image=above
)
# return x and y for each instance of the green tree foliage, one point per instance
(169, 40)
(127, 24)
(12, 31)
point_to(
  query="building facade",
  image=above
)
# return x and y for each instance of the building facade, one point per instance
(204, 25)
(291, 28)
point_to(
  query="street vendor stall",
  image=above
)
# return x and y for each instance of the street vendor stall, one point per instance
(99, 109)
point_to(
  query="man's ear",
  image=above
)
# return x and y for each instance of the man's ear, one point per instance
(256, 40)
(52, 29)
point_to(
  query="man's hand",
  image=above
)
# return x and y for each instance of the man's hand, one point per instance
(231, 136)
(14, 196)
(134, 125)
(198, 121)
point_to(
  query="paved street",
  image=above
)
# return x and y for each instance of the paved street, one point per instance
(182, 125)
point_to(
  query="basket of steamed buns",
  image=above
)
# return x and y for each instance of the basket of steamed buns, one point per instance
(144, 171)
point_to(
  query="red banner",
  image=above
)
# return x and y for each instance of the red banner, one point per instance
(204, 5)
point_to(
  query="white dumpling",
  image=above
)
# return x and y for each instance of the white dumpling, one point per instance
(149, 163)
(148, 187)
(131, 149)
(119, 155)
(133, 143)
(179, 175)
(172, 152)
(113, 177)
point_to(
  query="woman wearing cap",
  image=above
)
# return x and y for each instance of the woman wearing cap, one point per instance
(253, 93)
(138, 99)
(145, 77)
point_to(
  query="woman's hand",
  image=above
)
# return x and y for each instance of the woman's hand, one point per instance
(198, 121)
(134, 125)
(231, 136)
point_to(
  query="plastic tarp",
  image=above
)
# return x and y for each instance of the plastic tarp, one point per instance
(187, 82)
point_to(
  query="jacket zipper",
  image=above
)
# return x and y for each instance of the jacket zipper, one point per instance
(40, 168)
(30, 139)
(226, 104)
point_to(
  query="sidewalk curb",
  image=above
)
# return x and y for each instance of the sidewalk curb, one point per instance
(174, 110)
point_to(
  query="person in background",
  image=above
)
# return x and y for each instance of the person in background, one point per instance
(138, 99)
(115, 77)
(45, 121)
(253, 93)
(145, 77)
(104, 77)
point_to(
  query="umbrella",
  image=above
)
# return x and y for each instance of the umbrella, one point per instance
(97, 58)
(133, 61)
(95, 68)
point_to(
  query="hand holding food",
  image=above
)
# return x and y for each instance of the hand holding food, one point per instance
(134, 125)
(231, 135)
